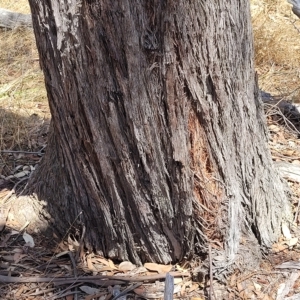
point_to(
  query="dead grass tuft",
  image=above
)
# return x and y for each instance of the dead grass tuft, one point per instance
(277, 47)
(23, 101)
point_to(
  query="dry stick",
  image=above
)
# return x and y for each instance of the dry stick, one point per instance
(23, 152)
(102, 278)
(63, 292)
(74, 270)
(211, 290)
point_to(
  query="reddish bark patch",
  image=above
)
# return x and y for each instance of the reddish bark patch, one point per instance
(207, 189)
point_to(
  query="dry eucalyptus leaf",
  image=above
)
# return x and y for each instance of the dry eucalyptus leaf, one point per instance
(3, 217)
(194, 287)
(21, 174)
(286, 231)
(292, 242)
(28, 239)
(89, 290)
(8, 258)
(257, 286)
(158, 267)
(279, 247)
(177, 280)
(18, 257)
(112, 265)
(18, 167)
(126, 266)
(105, 268)
(90, 264)
(177, 289)
(101, 260)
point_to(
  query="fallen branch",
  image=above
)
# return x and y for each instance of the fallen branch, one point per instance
(99, 280)
(11, 20)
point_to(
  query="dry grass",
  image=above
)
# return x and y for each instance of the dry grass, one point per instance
(277, 47)
(23, 103)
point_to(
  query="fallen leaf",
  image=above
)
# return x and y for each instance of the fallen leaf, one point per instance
(194, 287)
(73, 244)
(3, 217)
(278, 247)
(101, 260)
(89, 290)
(257, 286)
(158, 267)
(8, 258)
(90, 264)
(177, 280)
(105, 268)
(126, 266)
(28, 239)
(292, 242)
(18, 175)
(177, 289)
(18, 257)
(286, 231)
(179, 268)
(112, 265)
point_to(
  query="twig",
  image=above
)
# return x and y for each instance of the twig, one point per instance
(24, 152)
(63, 292)
(74, 270)
(211, 290)
(102, 278)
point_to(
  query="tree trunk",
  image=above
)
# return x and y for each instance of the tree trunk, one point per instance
(158, 144)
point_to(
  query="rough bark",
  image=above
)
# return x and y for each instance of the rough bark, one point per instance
(158, 143)
(10, 19)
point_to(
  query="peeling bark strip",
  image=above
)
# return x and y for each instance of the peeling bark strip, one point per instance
(10, 19)
(157, 134)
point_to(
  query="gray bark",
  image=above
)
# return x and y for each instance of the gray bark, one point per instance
(10, 19)
(158, 140)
